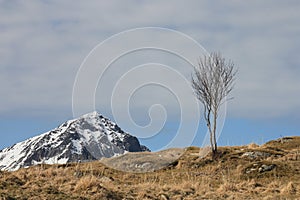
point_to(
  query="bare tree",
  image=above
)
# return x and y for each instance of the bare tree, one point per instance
(213, 80)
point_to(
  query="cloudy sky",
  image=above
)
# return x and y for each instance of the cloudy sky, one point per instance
(44, 43)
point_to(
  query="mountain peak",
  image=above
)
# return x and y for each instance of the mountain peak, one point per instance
(93, 114)
(89, 137)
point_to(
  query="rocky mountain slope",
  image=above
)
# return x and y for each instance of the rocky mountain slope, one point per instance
(89, 137)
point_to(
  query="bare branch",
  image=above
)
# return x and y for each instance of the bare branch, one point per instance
(212, 81)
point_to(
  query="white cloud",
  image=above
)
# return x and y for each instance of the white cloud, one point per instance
(42, 44)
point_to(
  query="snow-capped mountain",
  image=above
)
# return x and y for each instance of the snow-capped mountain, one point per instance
(89, 137)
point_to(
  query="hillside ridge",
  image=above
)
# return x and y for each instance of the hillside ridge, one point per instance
(269, 171)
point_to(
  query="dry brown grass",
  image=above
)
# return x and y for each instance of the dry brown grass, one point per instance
(190, 178)
(87, 183)
(253, 146)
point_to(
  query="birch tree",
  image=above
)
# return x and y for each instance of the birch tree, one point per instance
(212, 81)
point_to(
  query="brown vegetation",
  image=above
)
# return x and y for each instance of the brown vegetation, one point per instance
(270, 171)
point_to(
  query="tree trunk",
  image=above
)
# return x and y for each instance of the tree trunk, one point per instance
(211, 142)
(214, 130)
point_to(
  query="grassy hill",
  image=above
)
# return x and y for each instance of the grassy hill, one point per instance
(270, 171)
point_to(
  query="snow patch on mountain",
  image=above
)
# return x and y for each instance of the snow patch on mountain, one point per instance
(89, 137)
